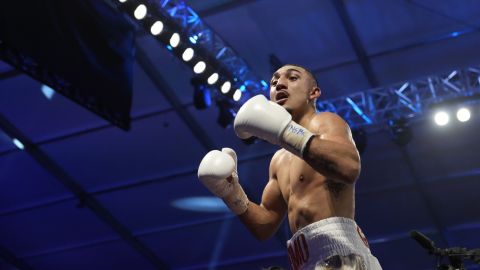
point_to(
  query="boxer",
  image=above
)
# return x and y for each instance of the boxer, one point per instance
(311, 178)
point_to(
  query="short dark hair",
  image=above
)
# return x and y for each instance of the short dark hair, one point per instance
(307, 70)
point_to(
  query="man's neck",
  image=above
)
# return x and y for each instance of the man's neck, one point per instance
(303, 118)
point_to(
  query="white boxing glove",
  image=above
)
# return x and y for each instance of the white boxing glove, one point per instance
(218, 172)
(267, 120)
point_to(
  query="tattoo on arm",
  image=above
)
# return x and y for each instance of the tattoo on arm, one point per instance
(325, 164)
(333, 160)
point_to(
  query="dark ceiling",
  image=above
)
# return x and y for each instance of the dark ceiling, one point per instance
(129, 180)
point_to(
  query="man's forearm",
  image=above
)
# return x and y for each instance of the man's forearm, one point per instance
(334, 160)
(259, 221)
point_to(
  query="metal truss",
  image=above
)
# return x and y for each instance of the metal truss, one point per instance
(200, 34)
(408, 99)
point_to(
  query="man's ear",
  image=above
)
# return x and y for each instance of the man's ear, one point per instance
(315, 93)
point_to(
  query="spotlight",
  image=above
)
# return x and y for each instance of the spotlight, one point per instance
(175, 40)
(140, 12)
(213, 78)
(47, 91)
(201, 94)
(441, 118)
(18, 144)
(226, 114)
(400, 131)
(201, 204)
(193, 39)
(463, 114)
(187, 54)
(157, 28)
(237, 95)
(360, 138)
(199, 67)
(226, 87)
(264, 84)
(122, 1)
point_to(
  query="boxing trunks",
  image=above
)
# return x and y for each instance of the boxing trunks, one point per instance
(332, 243)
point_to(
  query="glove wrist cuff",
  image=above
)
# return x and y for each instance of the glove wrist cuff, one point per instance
(295, 138)
(237, 200)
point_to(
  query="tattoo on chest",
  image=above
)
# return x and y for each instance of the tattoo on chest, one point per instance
(335, 187)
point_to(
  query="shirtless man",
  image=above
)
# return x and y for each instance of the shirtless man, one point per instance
(312, 178)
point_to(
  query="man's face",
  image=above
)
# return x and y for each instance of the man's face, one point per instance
(290, 87)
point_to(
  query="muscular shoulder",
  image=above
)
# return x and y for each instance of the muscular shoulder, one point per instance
(331, 125)
(328, 119)
(277, 159)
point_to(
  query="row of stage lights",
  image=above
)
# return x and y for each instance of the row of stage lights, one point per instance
(181, 48)
(400, 131)
(442, 117)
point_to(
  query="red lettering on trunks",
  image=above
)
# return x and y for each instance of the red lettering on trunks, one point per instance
(298, 252)
(362, 236)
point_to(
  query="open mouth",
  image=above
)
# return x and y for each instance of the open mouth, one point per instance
(281, 97)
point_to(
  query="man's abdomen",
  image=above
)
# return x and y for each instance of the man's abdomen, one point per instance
(310, 196)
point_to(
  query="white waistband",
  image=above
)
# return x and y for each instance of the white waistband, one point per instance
(324, 238)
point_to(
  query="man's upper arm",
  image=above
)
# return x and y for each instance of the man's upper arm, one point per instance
(272, 199)
(338, 143)
(333, 128)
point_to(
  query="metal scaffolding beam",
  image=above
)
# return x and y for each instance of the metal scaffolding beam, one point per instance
(407, 99)
(202, 35)
(357, 45)
(209, 45)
